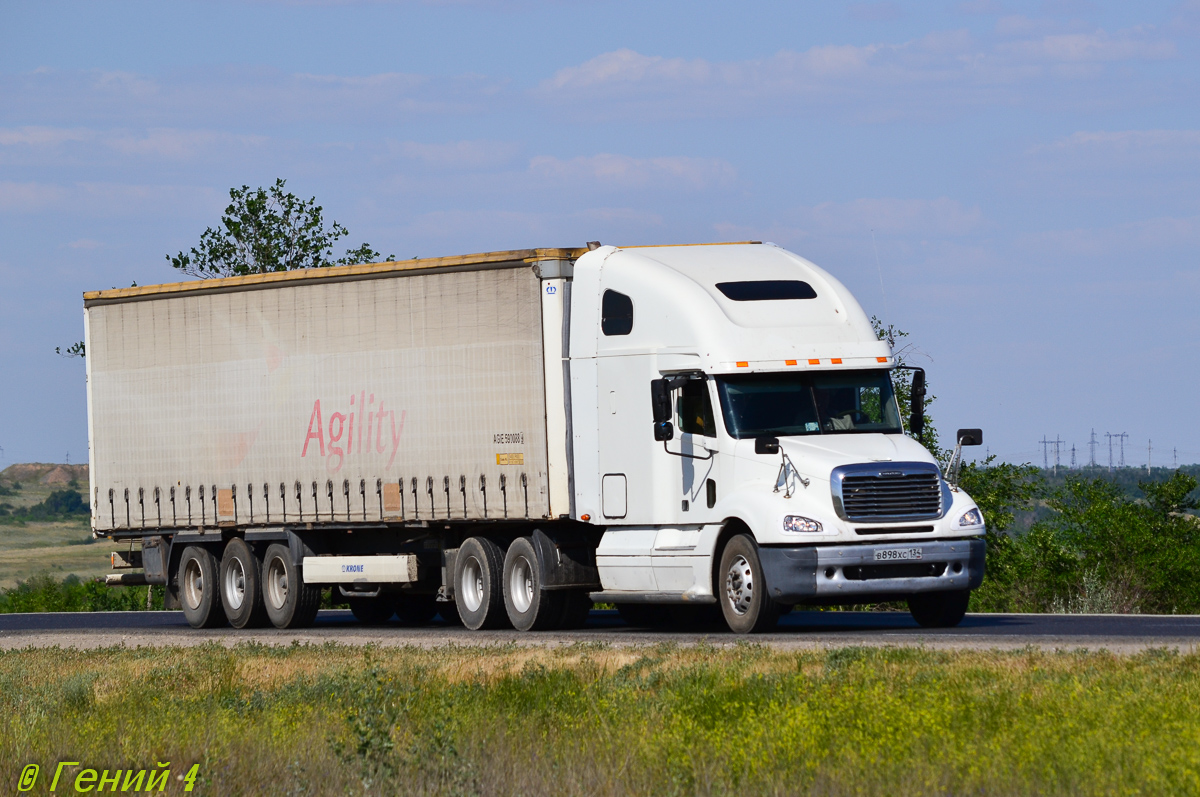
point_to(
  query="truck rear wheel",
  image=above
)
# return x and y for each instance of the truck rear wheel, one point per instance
(241, 586)
(290, 602)
(530, 606)
(478, 574)
(198, 591)
(939, 609)
(747, 606)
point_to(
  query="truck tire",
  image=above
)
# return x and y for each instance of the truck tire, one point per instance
(241, 586)
(199, 595)
(530, 606)
(742, 590)
(478, 575)
(939, 609)
(372, 609)
(290, 602)
(415, 609)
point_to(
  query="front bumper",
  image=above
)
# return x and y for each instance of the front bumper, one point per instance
(819, 574)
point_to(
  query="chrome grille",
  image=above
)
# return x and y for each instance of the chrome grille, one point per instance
(883, 494)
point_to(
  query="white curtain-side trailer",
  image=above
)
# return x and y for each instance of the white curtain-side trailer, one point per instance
(505, 438)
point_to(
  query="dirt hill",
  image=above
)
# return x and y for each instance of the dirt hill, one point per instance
(43, 473)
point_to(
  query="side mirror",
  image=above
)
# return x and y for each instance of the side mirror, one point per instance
(766, 445)
(660, 401)
(970, 437)
(916, 423)
(663, 431)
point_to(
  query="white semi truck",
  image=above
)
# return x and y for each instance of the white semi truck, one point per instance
(506, 438)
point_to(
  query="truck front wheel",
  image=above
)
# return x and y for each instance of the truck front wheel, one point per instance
(478, 573)
(530, 606)
(747, 606)
(290, 602)
(198, 592)
(939, 609)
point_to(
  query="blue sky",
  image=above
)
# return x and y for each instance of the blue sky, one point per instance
(1014, 183)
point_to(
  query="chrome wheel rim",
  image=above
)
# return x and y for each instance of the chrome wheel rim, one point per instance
(277, 583)
(739, 585)
(470, 586)
(520, 585)
(193, 584)
(235, 584)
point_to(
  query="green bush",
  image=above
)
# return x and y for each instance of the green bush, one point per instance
(44, 593)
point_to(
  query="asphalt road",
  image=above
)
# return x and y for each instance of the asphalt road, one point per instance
(1118, 633)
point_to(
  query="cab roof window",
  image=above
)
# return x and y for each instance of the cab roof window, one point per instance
(766, 290)
(616, 314)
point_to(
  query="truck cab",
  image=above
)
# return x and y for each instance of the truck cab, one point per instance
(745, 446)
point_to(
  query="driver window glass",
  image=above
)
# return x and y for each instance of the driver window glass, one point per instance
(616, 314)
(693, 409)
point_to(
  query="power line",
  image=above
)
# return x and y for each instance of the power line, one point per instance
(1045, 452)
(1109, 435)
(1149, 450)
(1092, 448)
(1122, 436)
(1072, 456)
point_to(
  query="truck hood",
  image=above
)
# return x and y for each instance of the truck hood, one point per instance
(816, 456)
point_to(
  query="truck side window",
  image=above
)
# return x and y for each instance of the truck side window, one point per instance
(616, 314)
(694, 409)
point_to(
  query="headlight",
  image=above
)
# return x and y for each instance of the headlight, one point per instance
(804, 524)
(972, 517)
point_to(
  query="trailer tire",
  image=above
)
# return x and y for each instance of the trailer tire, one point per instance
(745, 602)
(290, 602)
(478, 579)
(415, 609)
(241, 586)
(939, 609)
(530, 606)
(199, 593)
(372, 610)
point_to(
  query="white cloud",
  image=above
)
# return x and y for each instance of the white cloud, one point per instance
(107, 199)
(929, 73)
(459, 154)
(891, 216)
(179, 144)
(622, 171)
(42, 136)
(1120, 241)
(28, 197)
(1167, 142)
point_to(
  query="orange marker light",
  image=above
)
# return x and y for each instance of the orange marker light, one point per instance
(836, 361)
(814, 362)
(585, 518)
(789, 362)
(743, 365)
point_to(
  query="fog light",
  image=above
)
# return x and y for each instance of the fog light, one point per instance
(801, 524)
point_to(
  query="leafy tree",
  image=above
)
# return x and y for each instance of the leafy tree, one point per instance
(265, 230)
(902, 383)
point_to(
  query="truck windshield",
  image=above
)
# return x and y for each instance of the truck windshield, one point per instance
(846, 402)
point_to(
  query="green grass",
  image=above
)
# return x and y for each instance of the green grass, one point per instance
(595, 720)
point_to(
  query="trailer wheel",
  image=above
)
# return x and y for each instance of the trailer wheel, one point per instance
(415, 609)
(939, 609)
(198, 590)
(478, 570)
(241, 586)
(373, 610)
(290, 602)
(530, 606)
(747, 606)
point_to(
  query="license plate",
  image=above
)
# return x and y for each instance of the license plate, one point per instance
(897, 554)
